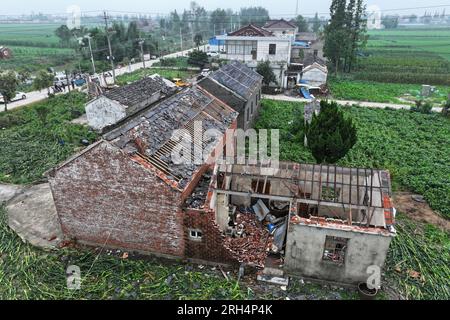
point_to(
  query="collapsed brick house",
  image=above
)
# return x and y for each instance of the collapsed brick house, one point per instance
(239, 87)
(125, 191)
(116, 104)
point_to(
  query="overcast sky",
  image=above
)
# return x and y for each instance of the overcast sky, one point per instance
(276, 7)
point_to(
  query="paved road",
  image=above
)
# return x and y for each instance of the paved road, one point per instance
(348, 102)
(36, 96)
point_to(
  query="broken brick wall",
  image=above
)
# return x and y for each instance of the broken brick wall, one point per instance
(104, 197)
(210, 247)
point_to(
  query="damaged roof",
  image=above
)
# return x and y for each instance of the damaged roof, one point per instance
(139, 91)
(239, 78)
(149, 134)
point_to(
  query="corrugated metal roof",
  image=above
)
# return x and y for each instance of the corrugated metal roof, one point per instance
(239, 78)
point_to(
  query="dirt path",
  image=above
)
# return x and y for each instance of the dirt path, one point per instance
(419, 211)
(367, 104)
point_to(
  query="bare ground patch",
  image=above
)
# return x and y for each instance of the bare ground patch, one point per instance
(419, 211)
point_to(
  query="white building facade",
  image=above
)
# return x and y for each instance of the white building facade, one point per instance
(252, 44)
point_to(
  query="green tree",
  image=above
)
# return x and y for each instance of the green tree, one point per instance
(330, 135)
(64, 34)
(390, 22)
(198, 58)
(302, 24)
(254, 15)
(345, 34)
(8, 86)
(316, 23)
(264, 69)
(43, 80)
(198, 39)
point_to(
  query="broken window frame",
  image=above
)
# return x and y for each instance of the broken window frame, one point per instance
(195, 234)
(335, 249)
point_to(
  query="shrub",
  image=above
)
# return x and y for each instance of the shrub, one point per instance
(330, 135)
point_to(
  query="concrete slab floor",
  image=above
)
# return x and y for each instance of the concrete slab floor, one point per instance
(32, 215)
(9, 191)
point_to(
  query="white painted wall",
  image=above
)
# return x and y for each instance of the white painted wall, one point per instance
(315, 77)
(103, 112)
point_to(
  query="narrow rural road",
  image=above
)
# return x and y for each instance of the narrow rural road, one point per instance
(36, 96)
(348, 102)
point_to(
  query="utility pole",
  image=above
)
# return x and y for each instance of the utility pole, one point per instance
(296, 10)
(141, 43)
(92, 55)
(111, 57)
(181, 42)
(231, 23)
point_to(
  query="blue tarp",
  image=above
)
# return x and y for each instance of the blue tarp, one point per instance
(305, 93)
(214, 42)
(301, 44)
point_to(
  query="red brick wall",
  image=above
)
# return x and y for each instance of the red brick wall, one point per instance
(104, 191)
(210, 248)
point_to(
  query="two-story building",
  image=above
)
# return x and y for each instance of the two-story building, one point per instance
(252, 44)
(281, 28)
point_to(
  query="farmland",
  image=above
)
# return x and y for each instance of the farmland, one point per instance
(414, 148)
(360, 90)
(37, 137)
(420, 56)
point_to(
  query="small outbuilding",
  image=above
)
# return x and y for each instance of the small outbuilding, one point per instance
(121, 102)
(315, 75)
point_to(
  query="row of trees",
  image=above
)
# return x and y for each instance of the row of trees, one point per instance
(345, 34)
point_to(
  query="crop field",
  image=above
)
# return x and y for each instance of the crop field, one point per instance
(413, 55)
(360, 90)
(414, 148)
(28, 34)
(37, 58)
(37, 137)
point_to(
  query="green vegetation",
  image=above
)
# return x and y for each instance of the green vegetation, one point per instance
(141, 73)
(412, 146)
(330, 135)
(418, 262)
(36, 138)
(420, 56)
(30, 273)
(36, 58)
(29, 35)
(383, 92)
(264, 69)
(431, 40)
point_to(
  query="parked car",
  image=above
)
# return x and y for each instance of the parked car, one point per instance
(205, 72)
(19, 96)
(213, 54)
(59, 80)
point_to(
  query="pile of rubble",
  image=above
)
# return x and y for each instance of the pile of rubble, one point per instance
(198, 197)
(251, 241)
